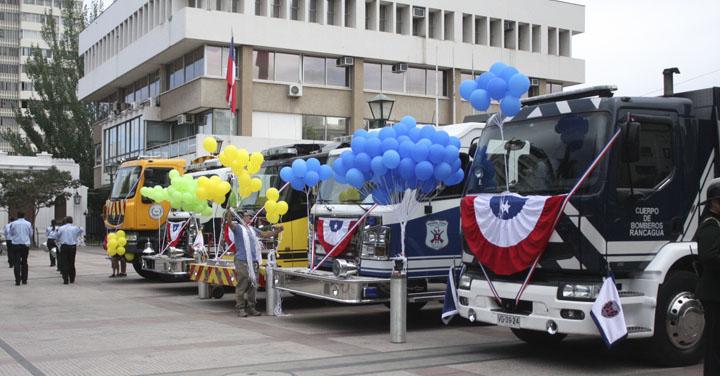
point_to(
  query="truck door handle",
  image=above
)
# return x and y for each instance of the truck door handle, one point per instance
(677, 225)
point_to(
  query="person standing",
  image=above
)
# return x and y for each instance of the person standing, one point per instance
(51, 234)
(247, 249)
(68, 237)
(708, 287)
(20, 233)
(8, 242)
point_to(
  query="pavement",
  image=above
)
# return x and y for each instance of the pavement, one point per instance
(131, 326)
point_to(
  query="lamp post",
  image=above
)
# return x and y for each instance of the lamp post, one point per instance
(110, 169)
(219, 146)
(77, 198)
(380, 106)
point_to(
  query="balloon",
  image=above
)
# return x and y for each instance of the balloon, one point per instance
(282, 207)
(373, 147)
(424, 170)
(286, 174)
(112, 235)
(440, 137)
(243, 180)
(338, 167)
(405, 149)
(272, 194)
(498, 67)
(112, 244)
(480, 100)
(409, 120)
(255, 184)
(270, 206)
(414, 134)
(377, 166)
(348, 159)
(510, 106)
(381, 196)
(518, 85)
(436, 154)
(325, 172)
(313, 164)
(362, 162)
(360, 133)
(373, 134)
(253, 168)
(403, 138)
(129, 256)
(121, 242)
(208, 211)
(297, 184)
(312, 178)
(419, 153)
(243, 157)
(400, 129)
(507, 73)
(358, 144)
(483, 79)
(387, 132)
(273, 218)
(428, 186)
(391, 159)
(210, 145)
(355, 178)
(121, 251)
(442, 171)
(111, 251)
(451, 154)
(407, 169)
(496, 88)
(455, 142)
(466, 89)
(339, 178)
(299, 168)
(389, 144)
(257, 158)
(174, 174)
(121, 233)
(427, 132)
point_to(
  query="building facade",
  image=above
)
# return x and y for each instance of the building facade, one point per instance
(305, 68)
(20, 31)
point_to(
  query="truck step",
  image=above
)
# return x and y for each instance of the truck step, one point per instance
(426, 296)
(630, 294)
(637, 329)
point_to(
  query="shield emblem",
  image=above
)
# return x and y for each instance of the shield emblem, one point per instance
(436, 234)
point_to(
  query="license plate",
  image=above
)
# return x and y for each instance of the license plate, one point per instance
(508, 321)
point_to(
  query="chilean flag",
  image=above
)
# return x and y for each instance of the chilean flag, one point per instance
(229, 238)
(230, 77)
(506, 232)
(335, 232)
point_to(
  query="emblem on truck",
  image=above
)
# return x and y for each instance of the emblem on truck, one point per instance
(436, 234)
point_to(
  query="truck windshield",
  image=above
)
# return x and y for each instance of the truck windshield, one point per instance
(332, 192)
(270, 177)
(544, 155)
(126, 182)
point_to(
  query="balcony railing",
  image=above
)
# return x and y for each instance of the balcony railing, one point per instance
(174, 149)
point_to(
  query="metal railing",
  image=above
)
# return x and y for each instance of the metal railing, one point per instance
(174, 149)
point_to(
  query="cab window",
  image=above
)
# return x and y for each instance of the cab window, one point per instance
(656, 156)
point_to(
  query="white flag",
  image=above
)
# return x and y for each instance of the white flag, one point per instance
(199, 241)
(608, 314)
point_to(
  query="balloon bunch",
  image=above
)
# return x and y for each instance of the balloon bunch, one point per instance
(398, 158)
(181, 194)
(212, 189)
(305, 173)
(243, 165)
(273, 207)
(116, 242)
(503, 83)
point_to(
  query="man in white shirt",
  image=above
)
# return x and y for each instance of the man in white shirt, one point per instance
(67, 238)
(20, 234)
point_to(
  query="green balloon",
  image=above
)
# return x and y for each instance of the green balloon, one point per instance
(207, 211)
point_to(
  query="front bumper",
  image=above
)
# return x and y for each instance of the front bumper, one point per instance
(162, 264)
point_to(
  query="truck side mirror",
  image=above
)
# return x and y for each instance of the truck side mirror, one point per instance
(473, 148)
(630, 141)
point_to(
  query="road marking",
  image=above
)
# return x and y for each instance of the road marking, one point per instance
(20, 359)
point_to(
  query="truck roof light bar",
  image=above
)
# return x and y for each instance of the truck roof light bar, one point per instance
(212, 163)
(605, 91)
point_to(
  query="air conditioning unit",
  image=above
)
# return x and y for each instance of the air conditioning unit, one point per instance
(345, 61)
(534, 82)
(399, 68)
(185, 119)
(154, 102)
(135, 105)
(115, 107)
(295, 90)
(418, 12)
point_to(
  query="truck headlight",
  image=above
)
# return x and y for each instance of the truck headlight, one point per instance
(344, 268)
(131, 236)
(465, 281)
(578, 291)
(376, 240)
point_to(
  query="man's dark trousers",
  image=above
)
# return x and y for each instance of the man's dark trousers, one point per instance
(20, 256)
(67, 266)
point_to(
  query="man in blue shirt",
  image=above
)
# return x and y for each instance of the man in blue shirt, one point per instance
(20, 234)
(247, 246)
(67, 238)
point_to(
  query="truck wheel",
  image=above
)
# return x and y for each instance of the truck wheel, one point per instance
(137, 265)
(679, 322)
(536, 337)
(217, 292)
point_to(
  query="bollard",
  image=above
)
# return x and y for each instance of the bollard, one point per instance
(270, 292)
(398, 308)
(204, 290)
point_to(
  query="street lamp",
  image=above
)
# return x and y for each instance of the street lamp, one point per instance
(219, 146)
(77, 198)
(110, 169)
(381, 106)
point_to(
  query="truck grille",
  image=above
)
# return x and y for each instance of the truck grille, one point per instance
(351, 251)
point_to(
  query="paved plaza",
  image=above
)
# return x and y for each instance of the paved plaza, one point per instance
(131, 326)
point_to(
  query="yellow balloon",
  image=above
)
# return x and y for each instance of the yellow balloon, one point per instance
(282, 207)
(210, 144)
(245, 193)
(121, 251)
(343, 196)
(253, 168)
(121, 242)
(111, 236)
(244, 180)
(129, 256)
(256, 158)
(255, 184)
(243, 157)
(111, 252)
(121, 233)
(219, 200)
(225, 187)
(272, 218)
(231, 152)
(112, 244)
(272, 194)
(202, 193)
(270, 206)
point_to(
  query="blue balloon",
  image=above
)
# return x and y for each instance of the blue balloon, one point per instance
(407, 168)
(360, 133)
(424, 170)
(367, 175)
(311, 178)
(377, 166)
(507, 73)
(338, 167)
(348, 158)
(355, 178)
(391, 159)
(455, 142)
(405, 149)
(518, 85)
(381, 196)
(428, 185)
(440, 138)
(496, 88)
(466, 89)
(419, 152)
(442, 171)
(325, 172)
(452, 154)
(436, 154)
(410, 121)
(455, 178)
(286, 174)
(299, 168)
(414, 134)
(373, 147)
(427, 132)
(403, 138)
(480, 100)
(400, 129)
(455, 165)
(483, 79)
(358, 144)
(297, 184)
(386, 132)
(313, 164)
(389, 144)
(373, 134)
(498, 67)
(510, 106)
(340, 178)
(362, 162)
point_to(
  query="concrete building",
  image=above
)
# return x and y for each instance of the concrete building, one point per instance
(305, 68)
(75, 206)
(20, 31)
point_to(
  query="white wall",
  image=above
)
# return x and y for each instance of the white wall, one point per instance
(273, 125)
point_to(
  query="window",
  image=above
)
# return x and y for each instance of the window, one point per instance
(224, 123)
(656, 155)
(392, 81)
(337, 76)
(154, 86)
(331, 12)
(551, 87)
(314, 70)
(294, 9)
(312, 11)
(325, 128)
(383, 17)
(372, 79)
(276, 8)
(287, 67)
(263, 65)
(416, 81)
(213, 56)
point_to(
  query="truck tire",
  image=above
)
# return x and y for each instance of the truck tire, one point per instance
(536, 337)
(137, 265)
(679, 322)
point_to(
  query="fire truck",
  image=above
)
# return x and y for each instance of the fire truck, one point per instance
(636, 215)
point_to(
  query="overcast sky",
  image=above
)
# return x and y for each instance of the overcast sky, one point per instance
(628, 43)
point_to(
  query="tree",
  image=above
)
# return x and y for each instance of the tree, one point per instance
(35, 189)
(57, 122)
